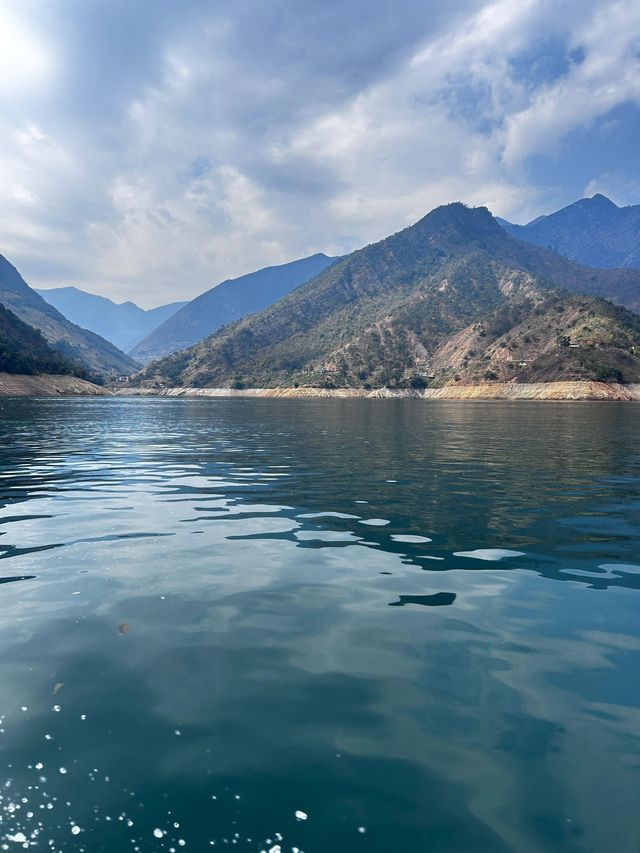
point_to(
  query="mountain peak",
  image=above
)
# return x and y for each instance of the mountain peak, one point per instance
(596, 205)
(459, 222)
(455, 212)
(593, 231)
(601, 201)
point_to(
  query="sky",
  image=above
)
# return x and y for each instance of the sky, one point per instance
(151, 149)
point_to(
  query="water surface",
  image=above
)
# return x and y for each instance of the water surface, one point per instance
(413, 623)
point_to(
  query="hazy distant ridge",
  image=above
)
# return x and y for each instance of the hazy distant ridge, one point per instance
(593, 231)
(124, 324)
(231, 300)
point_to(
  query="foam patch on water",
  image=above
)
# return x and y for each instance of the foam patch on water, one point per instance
(375, 522)
(489, 554)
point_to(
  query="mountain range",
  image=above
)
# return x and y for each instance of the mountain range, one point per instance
(77, 345)
(231, 300)
(460, 296)
(592, 231)
(452, 298)
(124, 323)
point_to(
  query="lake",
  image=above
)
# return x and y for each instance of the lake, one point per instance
(319, 625)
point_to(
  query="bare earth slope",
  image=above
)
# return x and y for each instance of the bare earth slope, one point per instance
(47, 385)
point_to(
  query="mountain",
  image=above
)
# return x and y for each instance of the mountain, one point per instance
(452, 296)
(76, 344)
(228, 301)
(24, 350)
(122, 323)
(593, 231)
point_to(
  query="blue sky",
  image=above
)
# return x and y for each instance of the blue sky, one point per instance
(151, 149)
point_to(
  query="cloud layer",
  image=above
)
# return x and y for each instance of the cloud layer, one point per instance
(150, 150)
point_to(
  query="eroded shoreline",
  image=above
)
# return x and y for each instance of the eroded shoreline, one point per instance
(560, 391)
(12, 385)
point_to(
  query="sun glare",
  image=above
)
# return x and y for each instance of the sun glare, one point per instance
(24, 57)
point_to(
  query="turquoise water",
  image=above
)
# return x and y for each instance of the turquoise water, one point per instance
(414, 623)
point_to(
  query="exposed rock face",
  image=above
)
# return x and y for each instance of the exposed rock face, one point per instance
(486, 391)
(537, 391)
(48, 385)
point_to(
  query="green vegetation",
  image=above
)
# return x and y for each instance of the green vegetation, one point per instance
(24, 350)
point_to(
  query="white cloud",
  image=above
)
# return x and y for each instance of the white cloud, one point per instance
(608, 75)
(230, 146)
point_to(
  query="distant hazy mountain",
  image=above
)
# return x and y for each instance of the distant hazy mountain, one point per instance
(24, 350)
(229, 301)
(452, 298)
(593, 231)
(124, 323)
(77, 344)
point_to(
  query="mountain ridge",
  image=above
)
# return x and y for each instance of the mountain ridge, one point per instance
(124, 324)
(23, 350)
(77, 344)
(592, 231)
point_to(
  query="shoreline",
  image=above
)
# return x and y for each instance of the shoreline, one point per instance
(48, 385)
(554, 391)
